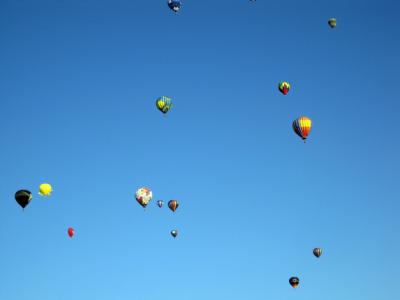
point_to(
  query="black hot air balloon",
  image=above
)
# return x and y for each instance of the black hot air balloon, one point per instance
(23, 197)
(174, 233)
(294, 282)
(317, 252)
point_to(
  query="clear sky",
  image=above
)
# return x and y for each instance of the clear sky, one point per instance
(78, 83)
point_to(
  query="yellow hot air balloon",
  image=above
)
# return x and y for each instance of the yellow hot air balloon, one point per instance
(45, 189)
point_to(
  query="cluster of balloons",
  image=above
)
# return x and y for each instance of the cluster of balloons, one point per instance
(295, 281)
(144, 195)
(24, 197)
(302, 127)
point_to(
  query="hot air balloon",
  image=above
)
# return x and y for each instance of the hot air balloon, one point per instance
(332, 22)
(160, 203)
(174, 233)
(284, 87)
(173, 205)
(144, 196)
(294, 282)
(175, 5)
(302, 127)
(317, 252)
(23, 197)
(45, 189)
(164, 104)
(71, 232)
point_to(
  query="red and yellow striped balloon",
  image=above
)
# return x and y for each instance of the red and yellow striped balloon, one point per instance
(302, 127)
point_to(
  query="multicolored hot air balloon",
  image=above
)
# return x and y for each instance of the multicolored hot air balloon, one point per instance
(173, 205)
(175, 5)
(23, 197)
(160, 203)
(71, 232)
(144, 196)
(284, 87)
(294, 282)
(317, 252)
(302, 127)
(174, 233)
(164, 104)
(332, 22)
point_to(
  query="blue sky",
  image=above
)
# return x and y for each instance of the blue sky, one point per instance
(78, 83)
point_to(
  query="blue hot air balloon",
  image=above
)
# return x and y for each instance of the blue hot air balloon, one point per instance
(175, 5)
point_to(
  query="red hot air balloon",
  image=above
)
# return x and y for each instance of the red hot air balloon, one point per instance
(173, 205)
(71, 232)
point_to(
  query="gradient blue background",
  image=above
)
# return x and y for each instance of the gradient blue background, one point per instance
(79, 81)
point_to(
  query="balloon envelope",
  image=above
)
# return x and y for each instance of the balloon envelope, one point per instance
(23, 197)
(294, 282)
(174, 233)
(173, 205)
(302, 127)
(317, 252)
(71, 232)
(160, 203)
(332, 22)
(175, 5)
(143, 196)
(164, 104)
(45, 189)
(284, 87)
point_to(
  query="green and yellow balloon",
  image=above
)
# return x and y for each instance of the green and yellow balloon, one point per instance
(332, 22)
(164, 104)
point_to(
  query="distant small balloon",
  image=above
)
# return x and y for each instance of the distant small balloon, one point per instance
(332, 22)
(45, 189)
(317, 252)
(294, 282)
(175, 5)
(23, 197)
(71, 232)
(160, 203)
(173, 205)
(174, 233)
(284, 87)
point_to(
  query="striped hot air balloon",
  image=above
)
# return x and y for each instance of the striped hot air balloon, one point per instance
(317, 252)
(302, 127)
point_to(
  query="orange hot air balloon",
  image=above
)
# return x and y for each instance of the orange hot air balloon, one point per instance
(173, 205)
(71, 232)
(302, 127)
